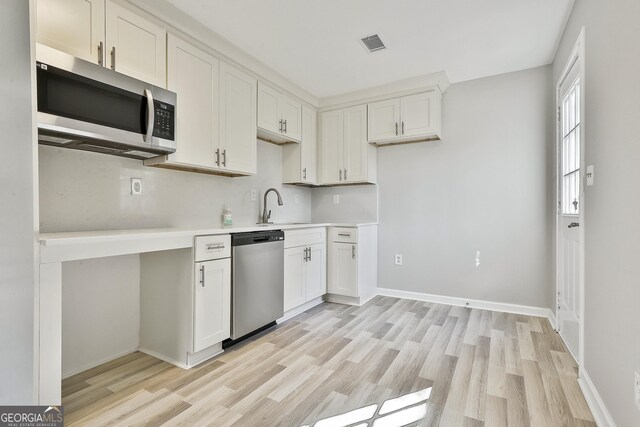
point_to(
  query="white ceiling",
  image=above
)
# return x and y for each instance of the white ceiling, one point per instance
(315, 43)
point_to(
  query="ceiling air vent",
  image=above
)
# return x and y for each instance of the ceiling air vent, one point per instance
(373, 43)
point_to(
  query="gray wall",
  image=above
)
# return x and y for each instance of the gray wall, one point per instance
(612, 205)
(483, 187)
(17, 214)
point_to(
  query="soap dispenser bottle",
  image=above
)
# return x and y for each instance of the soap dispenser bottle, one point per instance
(227, 218)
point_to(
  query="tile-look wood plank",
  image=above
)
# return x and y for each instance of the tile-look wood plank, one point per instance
(482, 368)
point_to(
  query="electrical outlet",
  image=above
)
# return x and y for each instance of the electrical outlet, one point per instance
(398, 259)
(136, 186)
(336, 199)
(637, 389)
(254, 195)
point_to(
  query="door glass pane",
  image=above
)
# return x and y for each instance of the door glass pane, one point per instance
(570, 150)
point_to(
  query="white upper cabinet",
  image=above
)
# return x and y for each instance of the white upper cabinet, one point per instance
(279, 116)
(216, 114)
(384, 120)
(238, 142)
(300, 161)
(409, 118)
(107, 34)
(345, 155)
(135, 47)
(73, 26)
(194, 76)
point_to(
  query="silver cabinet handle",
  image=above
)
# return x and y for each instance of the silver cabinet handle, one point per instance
(396, 128)
(573, 224)
(151, 115)
(202, 276)
(305, 255)
(344, 234)
(304, 174)
(280, 125)
(224, 158)
(340, 174)
(218, 157)
(345, 174)
(309, 254)
(113, 58)
(353, 251)
(285, 126)
(403, 127)
(215, 246)
(101, 54)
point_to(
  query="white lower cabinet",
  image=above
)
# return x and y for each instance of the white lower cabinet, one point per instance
(352, 264)
(212, 303)
(185, 301)
(304, 266)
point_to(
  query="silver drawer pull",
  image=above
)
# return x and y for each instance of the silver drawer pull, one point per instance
(202, 276)
(215, 246)
(344, 234)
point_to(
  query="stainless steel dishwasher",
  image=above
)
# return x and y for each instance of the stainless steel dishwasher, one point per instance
(257, 282)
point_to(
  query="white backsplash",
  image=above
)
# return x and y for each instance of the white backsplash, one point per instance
(89, 191)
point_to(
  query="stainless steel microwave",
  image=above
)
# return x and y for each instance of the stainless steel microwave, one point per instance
(89, 107)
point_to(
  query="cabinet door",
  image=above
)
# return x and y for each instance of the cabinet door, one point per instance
(72, 26)
(355, 144)
(294, 277)
(292, 118)
(331, 146)
(309, 146)
(384, 120)
(269, 114)
(315, 272)
(135, 46)
(343, 271)
(212, 304)
(418, 114)
(194, 76)
(238, 143)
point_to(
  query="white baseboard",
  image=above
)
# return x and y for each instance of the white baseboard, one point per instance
(300, 309)
(97, 363)
(600, 412)
(465, 302)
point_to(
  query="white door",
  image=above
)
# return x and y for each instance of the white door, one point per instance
(384, 120)
(194, 76)
(331, 146)
(315, 272)
(292, 118)
(570, 206)
(355, 144)
(269, 112)
(135, 46)
(343, 272)
(295, 260)
(72, 26)
(212, 303)
(417, 114)
(238, 143)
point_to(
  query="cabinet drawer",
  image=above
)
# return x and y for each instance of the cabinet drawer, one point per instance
(304, 237)
(343, 234)
(212, 247)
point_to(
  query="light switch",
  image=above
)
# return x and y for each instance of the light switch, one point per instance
(590, 175)
(336, 199)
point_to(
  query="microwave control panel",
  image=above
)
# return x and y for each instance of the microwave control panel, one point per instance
(164, 123)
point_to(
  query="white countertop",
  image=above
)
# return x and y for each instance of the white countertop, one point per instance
(76, 245)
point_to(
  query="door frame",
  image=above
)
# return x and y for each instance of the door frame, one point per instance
(576, 58)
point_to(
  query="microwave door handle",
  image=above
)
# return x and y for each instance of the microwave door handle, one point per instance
(151, 115)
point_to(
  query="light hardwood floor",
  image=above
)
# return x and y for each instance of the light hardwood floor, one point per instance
(480, 368)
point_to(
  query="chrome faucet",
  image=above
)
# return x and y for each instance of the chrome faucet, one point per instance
(267, 214)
